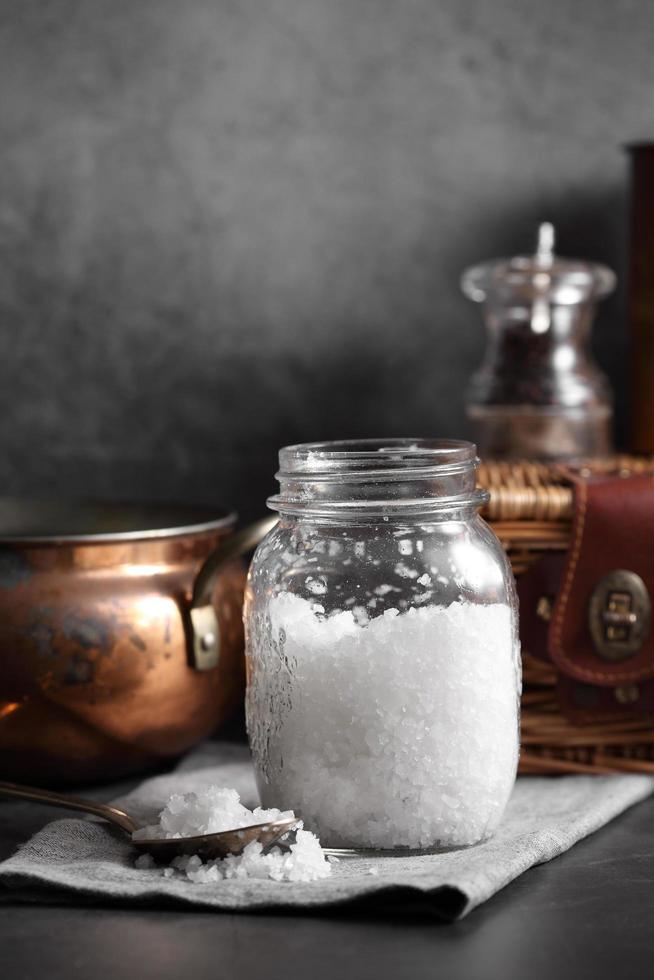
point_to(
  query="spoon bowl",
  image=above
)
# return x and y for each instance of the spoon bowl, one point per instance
(210, 846)
(162, 849)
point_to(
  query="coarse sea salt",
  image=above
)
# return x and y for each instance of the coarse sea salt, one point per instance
(215, 809)
(210, 811)
(398, 731)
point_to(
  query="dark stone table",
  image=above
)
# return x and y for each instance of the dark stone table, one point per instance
(588, 914)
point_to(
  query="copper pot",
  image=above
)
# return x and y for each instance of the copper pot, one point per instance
(120, 635)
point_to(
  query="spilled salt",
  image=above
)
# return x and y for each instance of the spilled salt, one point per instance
(304, 861)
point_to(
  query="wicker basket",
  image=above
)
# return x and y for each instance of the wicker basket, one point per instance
(530, 509)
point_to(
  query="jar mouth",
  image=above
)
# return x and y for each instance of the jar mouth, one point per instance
(362, 478)
(378, 456)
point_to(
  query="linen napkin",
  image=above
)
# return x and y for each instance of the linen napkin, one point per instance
(79, 859)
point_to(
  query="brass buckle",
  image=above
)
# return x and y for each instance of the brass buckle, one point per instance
(619, 615)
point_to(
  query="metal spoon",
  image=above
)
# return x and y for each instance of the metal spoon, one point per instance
(163, 850)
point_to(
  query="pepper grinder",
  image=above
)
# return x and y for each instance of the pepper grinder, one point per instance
(539, 393)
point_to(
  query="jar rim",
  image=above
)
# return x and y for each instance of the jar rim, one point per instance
(374, 455)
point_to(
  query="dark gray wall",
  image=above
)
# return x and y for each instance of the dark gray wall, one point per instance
(226, 225)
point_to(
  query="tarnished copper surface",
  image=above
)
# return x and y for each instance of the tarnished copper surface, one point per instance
(95, 679)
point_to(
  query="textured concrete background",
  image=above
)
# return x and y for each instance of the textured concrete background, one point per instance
(226, 225)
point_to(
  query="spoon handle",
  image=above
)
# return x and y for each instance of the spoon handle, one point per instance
(104, 810)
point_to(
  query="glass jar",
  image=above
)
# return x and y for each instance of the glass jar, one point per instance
(381, 648)
(538, 393)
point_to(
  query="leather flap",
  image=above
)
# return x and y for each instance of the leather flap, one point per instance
(613, 530)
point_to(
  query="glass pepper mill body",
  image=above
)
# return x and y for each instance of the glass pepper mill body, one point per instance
(538, 392)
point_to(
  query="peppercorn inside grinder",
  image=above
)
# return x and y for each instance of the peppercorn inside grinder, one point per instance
(538, 392)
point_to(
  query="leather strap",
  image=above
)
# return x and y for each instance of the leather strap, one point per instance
(613, 529)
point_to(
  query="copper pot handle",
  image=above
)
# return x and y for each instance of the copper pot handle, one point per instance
(203, 625)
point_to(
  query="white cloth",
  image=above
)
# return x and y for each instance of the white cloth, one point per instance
(82, 859)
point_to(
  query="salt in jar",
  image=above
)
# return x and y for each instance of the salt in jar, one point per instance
(382, 649)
